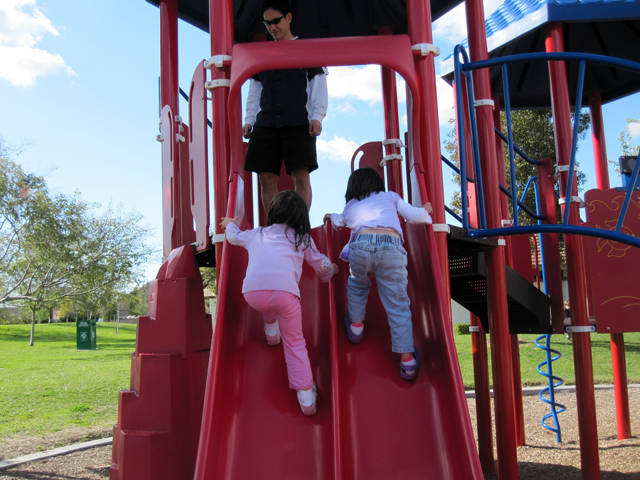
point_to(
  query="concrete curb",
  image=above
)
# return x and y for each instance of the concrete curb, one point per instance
(527, 391)
(76, 447)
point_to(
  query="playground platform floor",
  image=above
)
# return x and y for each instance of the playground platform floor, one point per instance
(540, 458)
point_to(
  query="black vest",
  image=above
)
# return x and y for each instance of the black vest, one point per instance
(283, 100)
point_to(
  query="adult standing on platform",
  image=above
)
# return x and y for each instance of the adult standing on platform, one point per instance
(284, 115)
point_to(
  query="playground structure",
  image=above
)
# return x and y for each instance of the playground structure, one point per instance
(206, 404)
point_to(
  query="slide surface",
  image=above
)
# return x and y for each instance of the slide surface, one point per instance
(387, 428)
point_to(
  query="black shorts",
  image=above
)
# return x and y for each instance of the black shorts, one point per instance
(268, 147)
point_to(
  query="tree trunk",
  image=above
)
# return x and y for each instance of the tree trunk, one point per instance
(117, 320)
(33, 327)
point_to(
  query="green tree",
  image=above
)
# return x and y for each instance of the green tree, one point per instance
(137, 300)
(626, 144)
(625, 140)
(57, 247)
(209, 279)
(533, 133)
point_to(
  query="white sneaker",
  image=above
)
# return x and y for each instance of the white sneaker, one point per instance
(273, 339)
(307, 400)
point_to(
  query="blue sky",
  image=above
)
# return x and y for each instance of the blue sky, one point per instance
(79, 84)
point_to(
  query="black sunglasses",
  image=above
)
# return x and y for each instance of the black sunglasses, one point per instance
(275, 21)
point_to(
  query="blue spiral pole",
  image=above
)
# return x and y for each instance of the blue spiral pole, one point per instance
(554, 382)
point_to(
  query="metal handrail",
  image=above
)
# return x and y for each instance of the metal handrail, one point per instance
(462, 66)
(517, 149)
(453, 167)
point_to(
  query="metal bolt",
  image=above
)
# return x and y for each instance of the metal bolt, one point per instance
(608, 328)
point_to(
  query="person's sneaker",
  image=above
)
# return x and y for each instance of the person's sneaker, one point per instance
(351, 335)
(307, 400)
(272, 338)
(410, 372)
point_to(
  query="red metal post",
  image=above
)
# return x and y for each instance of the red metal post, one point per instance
(483, 396)
(576, 272)
(478, 338)
(495, 257)
(618, 359)
(221, 31)
(169, 96)
(391, 123)
(597, 138)
(504, 207)
(169, 54)
(517, 390)
(419, 18)
(620, 385)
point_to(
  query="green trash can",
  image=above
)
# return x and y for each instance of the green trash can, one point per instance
(86, 334)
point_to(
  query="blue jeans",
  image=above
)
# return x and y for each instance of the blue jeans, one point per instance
(383, 256)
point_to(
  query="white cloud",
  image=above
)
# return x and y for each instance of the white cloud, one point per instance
(22, 27)
(633, 129)
(445, 102)
(338, 148)
(453, 25)
(361, 83)
(364, 83)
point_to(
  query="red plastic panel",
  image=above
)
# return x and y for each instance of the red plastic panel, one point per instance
(389, 428)
(159, 417)
(187, 234)
(198, 161)
(551, 244)
(522, 257)
(615, 267)
(371, 157)
(168, 132)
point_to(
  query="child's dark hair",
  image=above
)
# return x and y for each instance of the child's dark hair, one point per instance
(281, 6)
(288, 208)
(362, 183)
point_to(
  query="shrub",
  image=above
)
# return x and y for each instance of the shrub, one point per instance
(461, 329)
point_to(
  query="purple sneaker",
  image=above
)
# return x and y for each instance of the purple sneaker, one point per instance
(351, 336)
(413, 373)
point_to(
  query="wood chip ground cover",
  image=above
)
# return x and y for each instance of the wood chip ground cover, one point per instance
(540, 458)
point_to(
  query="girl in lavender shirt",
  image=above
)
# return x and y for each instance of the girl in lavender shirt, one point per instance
(276, 253)
(375, 247)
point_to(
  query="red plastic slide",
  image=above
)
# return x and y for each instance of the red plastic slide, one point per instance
(370, 423)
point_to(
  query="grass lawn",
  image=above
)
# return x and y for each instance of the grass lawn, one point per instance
(52, 386)
(531, 356)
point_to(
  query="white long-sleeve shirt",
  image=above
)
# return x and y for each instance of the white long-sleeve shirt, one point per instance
(274, 263)
(378, 210)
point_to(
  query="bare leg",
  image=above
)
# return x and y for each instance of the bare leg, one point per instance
(303, 184)
(269, 187)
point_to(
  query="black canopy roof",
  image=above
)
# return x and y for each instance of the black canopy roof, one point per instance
(314, 18)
